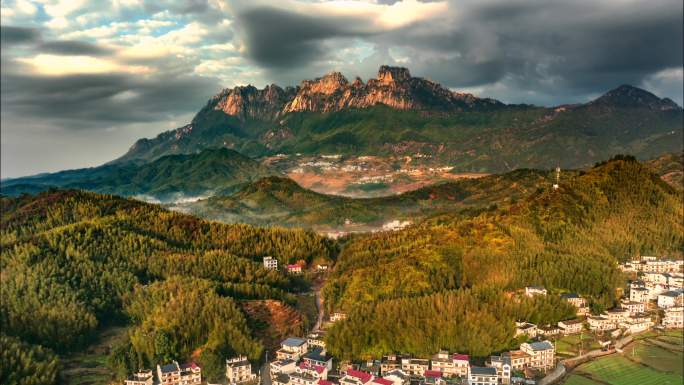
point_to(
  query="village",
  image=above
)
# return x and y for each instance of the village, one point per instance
(655, 302)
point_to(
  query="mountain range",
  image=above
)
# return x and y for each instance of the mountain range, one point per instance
(396, 114)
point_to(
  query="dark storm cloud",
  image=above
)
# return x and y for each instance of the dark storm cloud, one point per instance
(279, 38)
(18, 35)
(540, 51)
(73, 47)
(101, 101)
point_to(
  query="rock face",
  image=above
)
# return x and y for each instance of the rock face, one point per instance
(394, 87)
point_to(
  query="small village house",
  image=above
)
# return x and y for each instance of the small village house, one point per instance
(568, 327)
(142, 377)
(482, 376)
(270, 263)
(531, 291)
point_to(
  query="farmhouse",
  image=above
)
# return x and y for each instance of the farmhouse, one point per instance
(525, 328)
(285, 366)
(174, 374)
(634, 307)
(317, 357)
(294, 269)
(502, 364)
(450, 364)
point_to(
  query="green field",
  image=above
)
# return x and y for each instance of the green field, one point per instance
(642, 363)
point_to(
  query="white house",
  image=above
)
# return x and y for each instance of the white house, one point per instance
(670, 299)
(571, 326)
(292, 348)
(634, 307)
(531, 291)
(542, 354)
(674, 317)
(270, 263)
(482, 376)
(503, 367)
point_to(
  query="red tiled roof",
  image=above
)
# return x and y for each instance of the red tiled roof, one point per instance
(191, 365)
(432, 373)
(319, 369)
(383, 381)
(293, 266)
(363, 376)
(461, 357)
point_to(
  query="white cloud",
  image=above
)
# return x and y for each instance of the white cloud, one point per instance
(59, 65)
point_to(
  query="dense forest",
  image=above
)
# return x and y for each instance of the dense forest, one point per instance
(74, 262)
(566, 239)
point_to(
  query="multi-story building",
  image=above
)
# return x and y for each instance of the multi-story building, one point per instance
(270, 263)
(674, 317)
(503, 367)
(639, 294)
(316, 339)
(616, 314)
(519, 359)
(174, 374)
(415, 366)
(292, 348)
(634, 307)
(318, 357)
(482, 376)
(549, 330)
(542, 354)
(571, 326)
(389, 363)
(143, 377)
(239, 370)
(450, 364)
(670, 299)
(285, 366)
(294, 269)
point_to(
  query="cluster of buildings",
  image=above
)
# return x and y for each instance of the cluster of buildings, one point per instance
(650, 264)
(271, 263)
(168, 374)
(303, 361)
(238, 371)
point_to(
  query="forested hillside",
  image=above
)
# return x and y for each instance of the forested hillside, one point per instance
(74, 262)
(459, 266)
(281, 201)
(169, 178)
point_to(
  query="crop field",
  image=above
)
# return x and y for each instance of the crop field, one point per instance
(642, 363)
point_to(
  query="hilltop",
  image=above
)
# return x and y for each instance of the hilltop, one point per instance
(281, 201)
(396, 114)
(171, 177)
(457, 267)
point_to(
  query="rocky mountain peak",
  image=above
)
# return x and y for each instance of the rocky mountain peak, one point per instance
(388, 74)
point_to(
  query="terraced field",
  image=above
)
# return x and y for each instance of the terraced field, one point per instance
(642, 363)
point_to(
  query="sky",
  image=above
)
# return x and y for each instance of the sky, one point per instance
(82, 80)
